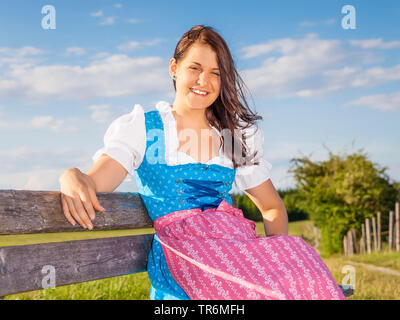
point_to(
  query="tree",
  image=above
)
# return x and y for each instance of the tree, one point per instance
(291, 199)
(340, 193)
(250, 210)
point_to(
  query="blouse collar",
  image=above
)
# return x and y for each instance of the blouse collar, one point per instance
(165, 107)
(171, 135)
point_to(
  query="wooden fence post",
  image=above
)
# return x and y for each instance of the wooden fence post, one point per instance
(316, 236)
(350, 244)
(390, 230)
(354, 236)
(368, 234)
(345, 245)
(397, 226)
(362, 241)
(379, 232)
(374, 234)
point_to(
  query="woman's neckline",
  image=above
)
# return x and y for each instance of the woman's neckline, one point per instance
(169, 109)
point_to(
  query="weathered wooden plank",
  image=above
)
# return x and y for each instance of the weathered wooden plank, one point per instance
(75, 262)
(23, 212)
(27, 268)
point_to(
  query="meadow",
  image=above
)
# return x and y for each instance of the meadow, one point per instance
(371, 284)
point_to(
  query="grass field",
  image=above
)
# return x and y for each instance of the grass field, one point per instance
(370, 284)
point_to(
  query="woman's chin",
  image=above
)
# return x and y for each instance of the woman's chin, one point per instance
(196, 104)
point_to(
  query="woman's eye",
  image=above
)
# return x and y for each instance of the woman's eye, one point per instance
(194, 68)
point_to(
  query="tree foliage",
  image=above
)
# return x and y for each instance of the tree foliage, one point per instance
(289, 198)
(340, 193)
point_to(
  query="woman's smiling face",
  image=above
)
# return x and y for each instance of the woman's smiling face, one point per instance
(198, 70)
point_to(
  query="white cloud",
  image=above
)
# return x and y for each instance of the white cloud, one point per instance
(21, 52)
(327, 22)
(375, 44)
(312, 67)
(131, 45)
(29, 168)
(112, 76)
(27, 56)
(307, 23)
(107, 21)
(100, 55)
(386, 102)
(128, 46)
(132, 20)
(97, 13)
(101, 113)
(76, 51)
(118, 5)
(39, 122)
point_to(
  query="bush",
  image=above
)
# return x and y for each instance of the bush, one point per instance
(291, 198)
(250, 210)
(340, 193)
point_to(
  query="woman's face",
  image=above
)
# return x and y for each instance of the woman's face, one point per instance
(198, 70)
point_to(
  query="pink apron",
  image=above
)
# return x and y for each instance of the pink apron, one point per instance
(216, 254)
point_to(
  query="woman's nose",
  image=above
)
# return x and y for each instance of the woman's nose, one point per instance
(203, 80)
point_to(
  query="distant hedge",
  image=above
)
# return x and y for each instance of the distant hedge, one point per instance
(340, 193)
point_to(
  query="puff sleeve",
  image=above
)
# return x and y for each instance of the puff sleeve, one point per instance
(250, 176)
(125, 140)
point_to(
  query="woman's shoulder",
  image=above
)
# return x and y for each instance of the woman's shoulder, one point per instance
(135, 119)
(128, 123)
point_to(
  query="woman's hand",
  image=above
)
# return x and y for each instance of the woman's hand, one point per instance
(78, 197)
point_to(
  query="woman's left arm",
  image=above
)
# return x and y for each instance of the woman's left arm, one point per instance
(271, 206)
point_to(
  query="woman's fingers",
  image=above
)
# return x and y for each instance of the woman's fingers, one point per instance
(74, 212)
(66, 210)
(88, 204)
(95, 202)
(82, 213)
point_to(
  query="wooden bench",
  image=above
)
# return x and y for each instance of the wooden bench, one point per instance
(29, 212)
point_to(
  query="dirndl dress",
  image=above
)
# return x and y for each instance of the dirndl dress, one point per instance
(204, 248)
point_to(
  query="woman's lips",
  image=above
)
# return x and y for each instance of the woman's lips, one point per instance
(197, 94)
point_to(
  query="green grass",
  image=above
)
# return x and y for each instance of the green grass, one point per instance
(370, 285)
(24, 239)
(130, 287)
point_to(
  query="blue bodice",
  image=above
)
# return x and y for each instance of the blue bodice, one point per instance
(165, 189)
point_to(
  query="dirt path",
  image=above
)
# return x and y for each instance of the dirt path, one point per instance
(376, 268)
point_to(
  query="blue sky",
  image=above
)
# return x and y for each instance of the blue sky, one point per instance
(315, 83)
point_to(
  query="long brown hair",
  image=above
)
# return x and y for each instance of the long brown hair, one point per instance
(230, 110)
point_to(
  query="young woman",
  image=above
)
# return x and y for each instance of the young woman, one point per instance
(203, 247)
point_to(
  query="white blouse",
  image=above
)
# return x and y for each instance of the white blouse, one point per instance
(125, 141)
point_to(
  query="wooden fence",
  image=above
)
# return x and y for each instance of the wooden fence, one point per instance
(28, 212)
(371, 235)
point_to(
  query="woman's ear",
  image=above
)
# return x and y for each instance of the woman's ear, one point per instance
(172, 66)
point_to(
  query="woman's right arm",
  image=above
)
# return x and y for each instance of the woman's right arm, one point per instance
(78, 190)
